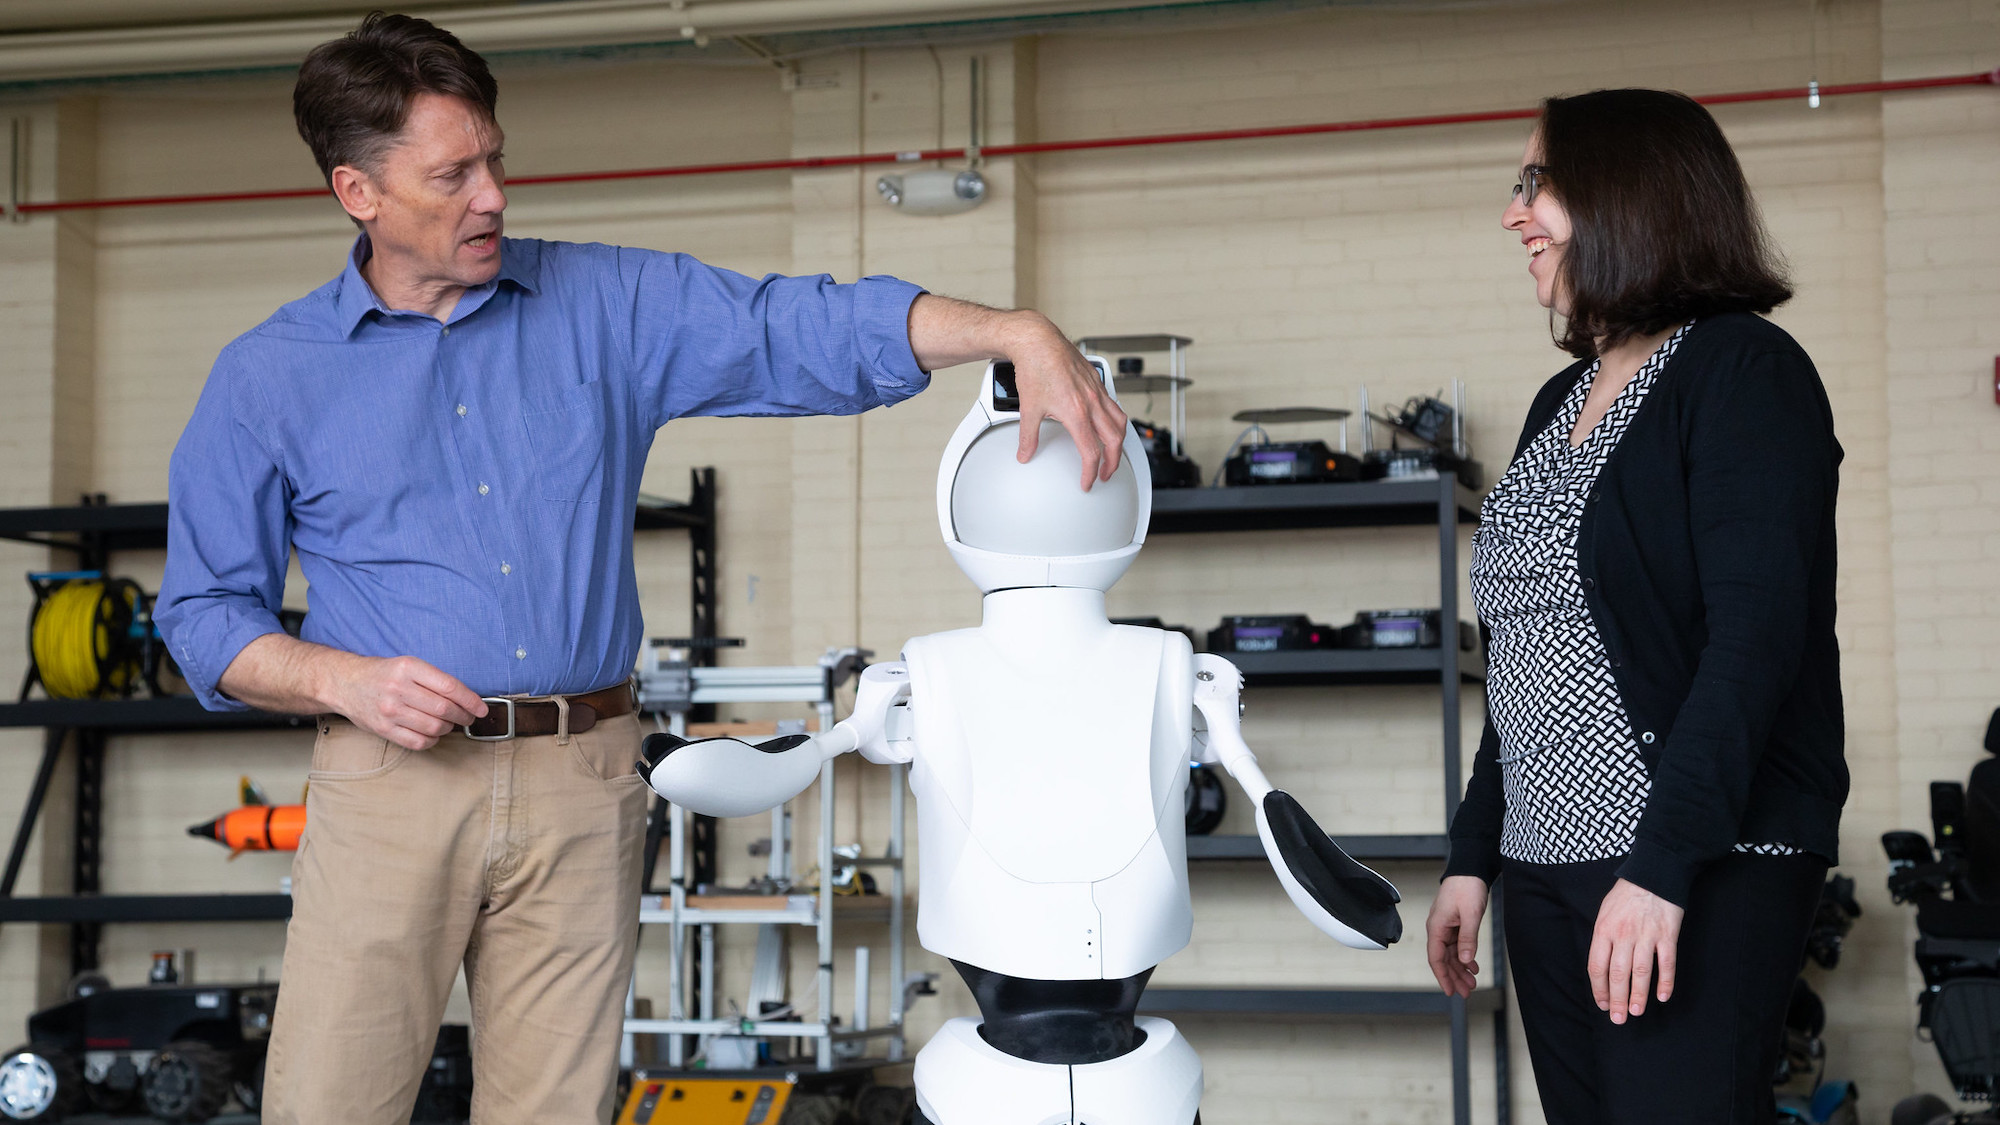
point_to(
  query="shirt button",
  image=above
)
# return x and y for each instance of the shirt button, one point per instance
(482, 488)
(505, 569)
(446, 331)
(1647, 738)
(1588, 583)
(520, 654)
(461, 410)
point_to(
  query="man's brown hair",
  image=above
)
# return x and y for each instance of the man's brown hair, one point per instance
(354, 93)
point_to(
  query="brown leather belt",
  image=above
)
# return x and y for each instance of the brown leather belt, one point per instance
(521, 718)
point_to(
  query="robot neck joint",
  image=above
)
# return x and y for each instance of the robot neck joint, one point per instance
(1043, 617)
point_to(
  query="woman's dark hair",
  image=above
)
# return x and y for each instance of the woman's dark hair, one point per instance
(354, 93)
(1663, 229)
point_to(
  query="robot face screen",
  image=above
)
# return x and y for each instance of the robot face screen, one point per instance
(1038, 509)
(1006, 397)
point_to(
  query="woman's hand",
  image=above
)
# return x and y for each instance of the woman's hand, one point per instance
(1452, 933)
(1634, 927)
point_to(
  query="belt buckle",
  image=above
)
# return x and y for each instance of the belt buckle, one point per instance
(509, 704)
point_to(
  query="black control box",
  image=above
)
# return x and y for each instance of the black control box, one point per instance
(1289, 462)
(1402, 628)
(1291, 632)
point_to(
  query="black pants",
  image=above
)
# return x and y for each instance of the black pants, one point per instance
(1705, 1057)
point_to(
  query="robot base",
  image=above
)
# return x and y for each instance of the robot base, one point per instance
(963, 1080)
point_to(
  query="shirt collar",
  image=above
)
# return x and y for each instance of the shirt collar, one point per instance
(520, 264)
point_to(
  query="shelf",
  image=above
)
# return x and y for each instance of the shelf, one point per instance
(94, 531)
(656, 515)
(1382, 503)
(1360, 847)
(147, 908)
(139, 715)
(125, 527)
(1314, 667)
(1312, 1001)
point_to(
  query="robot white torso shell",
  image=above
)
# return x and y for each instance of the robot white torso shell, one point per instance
(1050, 802)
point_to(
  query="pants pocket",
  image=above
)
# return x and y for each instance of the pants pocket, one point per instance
(609, 750)
(345, 752)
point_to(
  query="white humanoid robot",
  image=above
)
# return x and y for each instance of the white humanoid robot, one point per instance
(1049, 751)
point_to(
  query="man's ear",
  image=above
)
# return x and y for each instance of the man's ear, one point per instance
(356, 191)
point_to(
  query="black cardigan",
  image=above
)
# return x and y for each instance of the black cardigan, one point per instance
(1707, 558)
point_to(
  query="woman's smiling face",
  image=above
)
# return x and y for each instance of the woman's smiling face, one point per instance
(1542, 224)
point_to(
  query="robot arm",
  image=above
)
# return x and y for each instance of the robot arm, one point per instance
(1346, 900)
(730, 777)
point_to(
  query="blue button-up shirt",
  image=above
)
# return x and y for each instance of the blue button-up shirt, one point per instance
(463, 491)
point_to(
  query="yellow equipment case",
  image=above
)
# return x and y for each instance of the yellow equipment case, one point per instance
(865, 1095)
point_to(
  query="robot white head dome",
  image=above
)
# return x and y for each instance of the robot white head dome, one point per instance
(1001, 505)
(1011, 525)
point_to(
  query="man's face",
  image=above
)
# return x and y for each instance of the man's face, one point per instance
(432, 207)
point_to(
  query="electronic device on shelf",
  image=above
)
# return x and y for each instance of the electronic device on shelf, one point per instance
(1171, 468)
(1289, 462)
(1169, 463)
(1256, 459)
(1286, 632)
(1426, 439)
(1206, 801)
(1401, 628)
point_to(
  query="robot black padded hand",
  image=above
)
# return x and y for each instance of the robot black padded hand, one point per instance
(727, 776)
(1312, 867)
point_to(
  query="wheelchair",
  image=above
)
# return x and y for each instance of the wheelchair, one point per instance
(1953, 879)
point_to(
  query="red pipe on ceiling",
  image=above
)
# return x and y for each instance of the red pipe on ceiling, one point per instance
(1984, 78)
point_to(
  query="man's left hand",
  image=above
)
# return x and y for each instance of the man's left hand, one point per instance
(1052, 377)
(1635, 927)
(1056, 382)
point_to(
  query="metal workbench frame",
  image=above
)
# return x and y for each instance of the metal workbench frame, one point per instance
(813, 685)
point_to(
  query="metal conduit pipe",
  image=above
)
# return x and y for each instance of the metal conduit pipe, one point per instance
(1982, 78)
(236, 44)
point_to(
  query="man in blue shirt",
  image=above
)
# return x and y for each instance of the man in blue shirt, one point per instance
(450, 435)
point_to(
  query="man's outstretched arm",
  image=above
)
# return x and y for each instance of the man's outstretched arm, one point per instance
(1050, 373)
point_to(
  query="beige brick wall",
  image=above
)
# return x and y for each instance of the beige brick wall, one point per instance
(1942, 280)
(1303, 268)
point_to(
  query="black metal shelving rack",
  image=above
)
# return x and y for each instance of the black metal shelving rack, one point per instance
(1444, 503)
(94, 531)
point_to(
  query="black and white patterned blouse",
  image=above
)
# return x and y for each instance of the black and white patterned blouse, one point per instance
(1570, 766)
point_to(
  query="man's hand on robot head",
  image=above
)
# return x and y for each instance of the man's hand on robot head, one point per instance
(1056, 382)
(727, 776)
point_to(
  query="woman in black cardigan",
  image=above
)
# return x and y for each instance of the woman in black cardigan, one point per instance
(1661, 774)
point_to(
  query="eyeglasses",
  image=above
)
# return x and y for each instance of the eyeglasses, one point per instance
(1531, 183)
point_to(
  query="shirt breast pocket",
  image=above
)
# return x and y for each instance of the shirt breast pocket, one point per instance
(568, 440)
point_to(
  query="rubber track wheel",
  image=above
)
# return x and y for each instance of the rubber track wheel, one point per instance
(188, 1081)
(69, 1079)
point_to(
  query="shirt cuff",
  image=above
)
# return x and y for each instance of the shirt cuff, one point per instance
(1653, 868)
(882, 336)
(1473, 855)
(205, 652)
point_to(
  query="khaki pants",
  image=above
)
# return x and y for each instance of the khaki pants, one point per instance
(519, 860)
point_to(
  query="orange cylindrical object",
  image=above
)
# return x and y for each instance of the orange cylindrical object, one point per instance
(257, 828)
